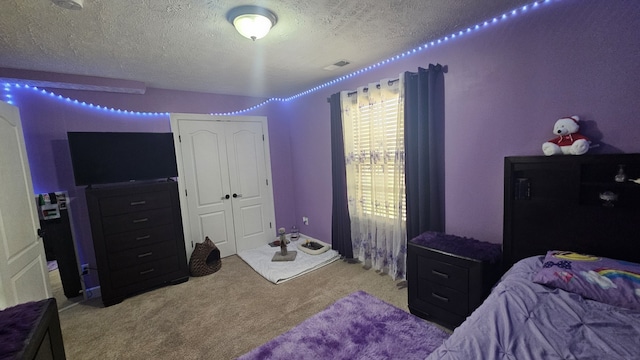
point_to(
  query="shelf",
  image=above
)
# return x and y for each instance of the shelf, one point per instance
(563, 209)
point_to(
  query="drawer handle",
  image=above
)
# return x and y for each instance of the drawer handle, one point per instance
(143, 237)
(146, 272)
(137, 221)
(441, 274)
(145, 254)
(440, 297)
(136, 203)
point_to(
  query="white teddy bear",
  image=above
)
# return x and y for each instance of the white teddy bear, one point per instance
(569, 140)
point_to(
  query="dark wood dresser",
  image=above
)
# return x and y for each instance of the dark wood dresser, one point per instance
(137, 237)
(448, 276)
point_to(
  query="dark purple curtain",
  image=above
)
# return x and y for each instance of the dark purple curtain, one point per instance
(424, 150)
(340, 222)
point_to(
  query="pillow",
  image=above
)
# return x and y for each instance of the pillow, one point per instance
(609, 281)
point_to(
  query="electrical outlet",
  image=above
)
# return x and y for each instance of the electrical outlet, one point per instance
(85, 269)
(305, 220)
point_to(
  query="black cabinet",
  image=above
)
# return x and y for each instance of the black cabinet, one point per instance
(582, 203)
(138, 238)
(56, 233)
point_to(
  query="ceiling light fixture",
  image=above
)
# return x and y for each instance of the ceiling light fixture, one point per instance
(70, 4)
(252, 22)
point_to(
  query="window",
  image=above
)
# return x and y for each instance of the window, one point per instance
(374, 147)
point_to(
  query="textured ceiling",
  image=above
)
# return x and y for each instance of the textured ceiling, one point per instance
(189, 45)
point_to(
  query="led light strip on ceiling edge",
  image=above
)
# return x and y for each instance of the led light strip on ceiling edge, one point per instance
(10, 99)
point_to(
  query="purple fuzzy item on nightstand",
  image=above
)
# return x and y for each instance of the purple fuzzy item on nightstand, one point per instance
(462, 246)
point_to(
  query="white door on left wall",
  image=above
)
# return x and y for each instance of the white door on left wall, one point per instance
(23, 266)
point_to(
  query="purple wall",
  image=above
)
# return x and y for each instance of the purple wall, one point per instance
(505, 87)
(46, 120)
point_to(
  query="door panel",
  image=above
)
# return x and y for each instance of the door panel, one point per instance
(205, 165)
(251, 218)
(245, 161)
(23, 266)
(247, 173)
(208, 177)
(214, 225)
(30, 281)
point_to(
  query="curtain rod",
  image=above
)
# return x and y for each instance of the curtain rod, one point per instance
(390, 82)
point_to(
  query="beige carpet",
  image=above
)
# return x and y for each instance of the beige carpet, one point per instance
(219, 316)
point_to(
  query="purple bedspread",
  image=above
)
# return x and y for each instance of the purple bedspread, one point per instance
(524, 320)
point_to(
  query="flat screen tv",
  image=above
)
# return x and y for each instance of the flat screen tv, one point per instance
(115, 157)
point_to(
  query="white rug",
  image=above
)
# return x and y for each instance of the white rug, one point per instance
(280, 271)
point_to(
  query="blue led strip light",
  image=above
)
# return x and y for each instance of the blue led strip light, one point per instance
(427, 45)
(84, 104)
(9, 98)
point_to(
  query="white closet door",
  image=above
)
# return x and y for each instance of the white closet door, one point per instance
(23, 267)
(204, 159)
(247, 174)
(219, 157)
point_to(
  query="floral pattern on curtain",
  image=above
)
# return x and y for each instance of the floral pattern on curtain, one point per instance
(373, 127)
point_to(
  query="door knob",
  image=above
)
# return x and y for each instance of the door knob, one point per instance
(237, 195)
(225, 197)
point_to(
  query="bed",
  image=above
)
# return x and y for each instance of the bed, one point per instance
(572, 285)
(522, 319)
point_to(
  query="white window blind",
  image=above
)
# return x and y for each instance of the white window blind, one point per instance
(374, 149)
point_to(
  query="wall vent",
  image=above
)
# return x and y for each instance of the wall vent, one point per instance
(339, 64)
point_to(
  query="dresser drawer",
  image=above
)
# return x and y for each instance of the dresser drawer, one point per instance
(143, 272)
(443, 297)
(147, 236)
(136, 220)
(445, 274)
(141, 255)
(134, 202)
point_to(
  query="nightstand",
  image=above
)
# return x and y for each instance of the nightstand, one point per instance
(449, 276)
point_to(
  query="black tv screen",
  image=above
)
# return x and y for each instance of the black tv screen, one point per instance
(114, 157)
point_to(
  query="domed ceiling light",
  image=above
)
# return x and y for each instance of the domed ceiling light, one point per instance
(70, 4)
(252, 22)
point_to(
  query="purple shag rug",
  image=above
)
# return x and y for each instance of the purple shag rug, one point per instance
(358, 326)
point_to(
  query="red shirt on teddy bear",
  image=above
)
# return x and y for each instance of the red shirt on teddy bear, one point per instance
(567, 140)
